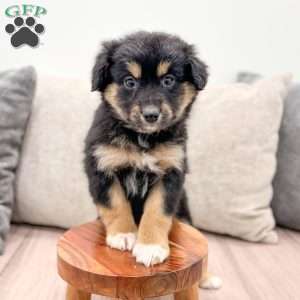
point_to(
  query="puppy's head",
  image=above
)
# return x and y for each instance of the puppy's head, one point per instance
(150, 80)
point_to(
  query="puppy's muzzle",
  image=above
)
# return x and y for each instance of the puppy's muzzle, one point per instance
(151, 113)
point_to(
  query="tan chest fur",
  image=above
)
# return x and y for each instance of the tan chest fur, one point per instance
(111, 158)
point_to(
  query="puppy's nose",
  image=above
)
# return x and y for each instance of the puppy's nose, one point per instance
(151, 113)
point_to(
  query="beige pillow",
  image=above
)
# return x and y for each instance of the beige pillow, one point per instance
(233, 136)
(51, 185)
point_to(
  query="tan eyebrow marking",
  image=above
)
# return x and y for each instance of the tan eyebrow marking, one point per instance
(162, 68)
(134, 68)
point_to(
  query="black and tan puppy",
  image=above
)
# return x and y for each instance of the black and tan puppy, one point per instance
(136, 148)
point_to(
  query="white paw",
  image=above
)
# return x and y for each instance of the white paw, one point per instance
(150, 254)
(121, 241)
(211, 282)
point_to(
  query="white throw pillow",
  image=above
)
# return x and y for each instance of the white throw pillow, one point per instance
(233, 137)
(51, 185)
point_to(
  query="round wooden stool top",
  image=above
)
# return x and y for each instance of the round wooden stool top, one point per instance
(86, 263)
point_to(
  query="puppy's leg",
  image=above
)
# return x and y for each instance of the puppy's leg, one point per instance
(118, 219)
(152, 245)
(114, 209)
(210, 281)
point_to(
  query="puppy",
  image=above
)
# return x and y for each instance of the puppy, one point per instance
(135, 152)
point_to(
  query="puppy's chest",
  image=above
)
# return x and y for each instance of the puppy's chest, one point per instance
(136, 183)
(112, 158)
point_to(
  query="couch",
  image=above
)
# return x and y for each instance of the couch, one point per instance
(254, 271)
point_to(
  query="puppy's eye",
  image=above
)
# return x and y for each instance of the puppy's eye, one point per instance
(130, 83)
(168, 81)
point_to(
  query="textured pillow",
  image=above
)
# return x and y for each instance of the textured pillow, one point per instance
(51, 185)
(16, 93)
(232, 148)
(286, 184)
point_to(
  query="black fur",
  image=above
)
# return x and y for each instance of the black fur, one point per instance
(147, 49)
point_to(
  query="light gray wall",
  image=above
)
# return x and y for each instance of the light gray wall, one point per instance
(231, 35)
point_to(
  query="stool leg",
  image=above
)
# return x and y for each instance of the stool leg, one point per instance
(188, 294)
(73, 294)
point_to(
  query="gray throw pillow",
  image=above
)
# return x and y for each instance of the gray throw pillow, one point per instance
(286, 184)
(16, 94)
(286, 200)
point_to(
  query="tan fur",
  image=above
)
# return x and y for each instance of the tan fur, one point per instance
(110, 95)
(155, 224)
(169, 156)
(162, 68)
(111, 158)
(118, 217)
(162, 157)
(134, 113)
(167, 110)
(135, 69)
(187, 95)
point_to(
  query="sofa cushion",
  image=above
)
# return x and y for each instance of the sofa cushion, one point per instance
(286, 198)
(232, 147)
(51, 184)
(16, 94)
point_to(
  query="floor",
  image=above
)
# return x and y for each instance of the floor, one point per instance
(249, 271)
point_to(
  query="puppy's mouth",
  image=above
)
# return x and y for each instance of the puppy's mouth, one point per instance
(150, 119)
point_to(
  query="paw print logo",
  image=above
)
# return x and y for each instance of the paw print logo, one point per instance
(24, 32)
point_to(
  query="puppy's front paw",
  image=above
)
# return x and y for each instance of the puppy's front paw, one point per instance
(121, 241)
(210, 282)
(150, 254)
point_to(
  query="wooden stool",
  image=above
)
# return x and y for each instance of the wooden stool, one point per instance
(90, 267)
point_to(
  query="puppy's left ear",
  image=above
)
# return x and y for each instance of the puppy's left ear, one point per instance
(196, 71)
(101, 70)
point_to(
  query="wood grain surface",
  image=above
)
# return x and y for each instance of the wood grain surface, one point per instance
(74, 294)
(188, 294)
(85, 262)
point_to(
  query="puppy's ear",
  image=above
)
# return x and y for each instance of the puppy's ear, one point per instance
(101, 73)
(196, 71)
